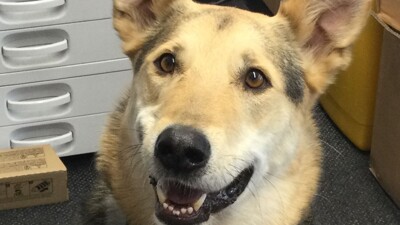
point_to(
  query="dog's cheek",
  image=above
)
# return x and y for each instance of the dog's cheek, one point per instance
(274, 139)
(232, 152)
(139, 132)
(144, 125)
(146, 86)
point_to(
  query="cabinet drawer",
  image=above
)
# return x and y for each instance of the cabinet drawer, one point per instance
(55, 99)
(58, 45)
(70, 136)
(16, 14)
(56, 73)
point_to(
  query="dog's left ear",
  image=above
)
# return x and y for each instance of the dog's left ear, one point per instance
(133, 18)
(325, 30)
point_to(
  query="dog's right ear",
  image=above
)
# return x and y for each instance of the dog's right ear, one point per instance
(133, 18)
(325, 31)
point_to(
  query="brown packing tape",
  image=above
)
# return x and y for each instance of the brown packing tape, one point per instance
(16, 155)
(386, 26)
(389, 20)
(29, 160)
(389, 12)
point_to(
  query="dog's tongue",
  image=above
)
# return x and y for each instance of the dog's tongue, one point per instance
(182, 195)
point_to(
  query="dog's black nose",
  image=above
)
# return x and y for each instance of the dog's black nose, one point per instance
(182, 149)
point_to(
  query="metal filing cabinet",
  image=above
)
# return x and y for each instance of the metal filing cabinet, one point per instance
(61, 70)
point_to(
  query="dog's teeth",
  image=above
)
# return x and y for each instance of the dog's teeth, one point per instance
(161, 195)
(190, 210)
(165, 205)
(199, 202)
(176, 212)
(170, 208)
(184, 210)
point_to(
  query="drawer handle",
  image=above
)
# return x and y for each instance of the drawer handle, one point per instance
(53, 141)
(39, 104)
(35, 50)
(30, 5)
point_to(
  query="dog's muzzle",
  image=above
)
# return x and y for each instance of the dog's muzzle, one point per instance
(183, 152)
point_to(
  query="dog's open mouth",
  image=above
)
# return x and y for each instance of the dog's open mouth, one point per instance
(179, 204)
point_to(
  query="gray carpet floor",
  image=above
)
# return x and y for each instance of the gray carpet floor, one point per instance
(349, 194)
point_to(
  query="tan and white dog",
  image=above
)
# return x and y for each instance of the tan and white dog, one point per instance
(218, 118)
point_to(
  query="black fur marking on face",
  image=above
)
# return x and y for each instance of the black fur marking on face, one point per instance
(294, 76)
(289, 63)
(224, 22)
(153, 41)
(140, 132)
(281, 53)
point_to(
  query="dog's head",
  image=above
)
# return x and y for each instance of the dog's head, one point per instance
(221, 97)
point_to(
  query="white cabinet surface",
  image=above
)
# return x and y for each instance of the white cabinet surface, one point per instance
(58, 45)
(68, 136)
(54, 99)
(61, 72)
(16, 14)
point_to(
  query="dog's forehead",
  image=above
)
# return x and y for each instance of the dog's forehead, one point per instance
(230, 30)
(224, 30)
(217, 20)
(223, 26)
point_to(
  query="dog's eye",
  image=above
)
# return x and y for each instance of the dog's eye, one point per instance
(166, 63)
(255, 79)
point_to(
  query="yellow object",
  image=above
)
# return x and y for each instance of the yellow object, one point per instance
(350, 102)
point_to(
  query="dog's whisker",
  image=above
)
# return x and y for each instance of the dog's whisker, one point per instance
(255, 195)
(229, 172)
(340, 154)
(323, 197)
(135, 130)
(282, 178)
(282, 208)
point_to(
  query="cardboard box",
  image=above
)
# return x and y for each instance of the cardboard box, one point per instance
(385, 151)
(389, 12)
(31, 176)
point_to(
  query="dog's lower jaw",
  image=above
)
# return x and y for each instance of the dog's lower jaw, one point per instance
(180, 204)
(266, 204)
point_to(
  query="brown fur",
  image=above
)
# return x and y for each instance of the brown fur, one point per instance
(300, 50)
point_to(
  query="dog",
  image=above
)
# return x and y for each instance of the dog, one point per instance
(217, 127)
